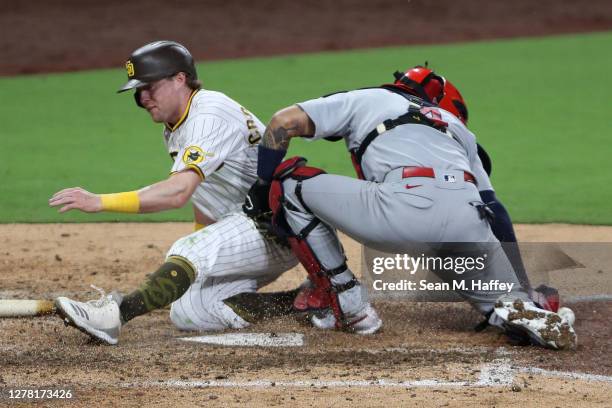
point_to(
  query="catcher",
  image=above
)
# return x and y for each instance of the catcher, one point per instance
(420, 177)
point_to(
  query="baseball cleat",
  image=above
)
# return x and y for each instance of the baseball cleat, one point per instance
(100, 319)
(364, 323)
(359, 316)
(543, 327)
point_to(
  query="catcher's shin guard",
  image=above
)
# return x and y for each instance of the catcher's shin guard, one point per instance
(324, 294)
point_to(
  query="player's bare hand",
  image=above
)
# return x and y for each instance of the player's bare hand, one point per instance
(76, 198)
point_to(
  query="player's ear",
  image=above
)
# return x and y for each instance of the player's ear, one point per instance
(180, 78)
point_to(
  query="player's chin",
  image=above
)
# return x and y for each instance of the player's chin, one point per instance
(155, 115)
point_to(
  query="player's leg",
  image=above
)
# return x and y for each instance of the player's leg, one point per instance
(387, 216)
(228, 303)
(393, 218)
(202, 307)
(383, 216)
(509, 306)
(232, 257)
(467, 234)
(230, 247)
(319, 250)
(102, 319)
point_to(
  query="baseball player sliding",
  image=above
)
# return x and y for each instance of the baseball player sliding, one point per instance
(212, 141)
(420, 176)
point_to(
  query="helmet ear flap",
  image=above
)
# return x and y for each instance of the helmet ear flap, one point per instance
(137, 98)
(434, 88)
(453, 102)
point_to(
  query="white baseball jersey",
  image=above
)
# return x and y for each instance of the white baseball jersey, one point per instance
(218, 139)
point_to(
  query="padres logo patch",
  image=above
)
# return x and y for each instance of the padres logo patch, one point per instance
(129, 67)
(193, 155)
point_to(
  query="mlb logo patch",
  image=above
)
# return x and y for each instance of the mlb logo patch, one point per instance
(449, 178)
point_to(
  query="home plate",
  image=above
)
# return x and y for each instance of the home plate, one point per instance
(251, 339)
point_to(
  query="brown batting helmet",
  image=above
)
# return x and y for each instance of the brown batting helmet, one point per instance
(158, 60)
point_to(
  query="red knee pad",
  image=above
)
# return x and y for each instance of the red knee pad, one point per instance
(294, 168)
(285, 168)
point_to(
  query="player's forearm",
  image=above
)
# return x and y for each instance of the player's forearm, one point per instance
(278, 134)
(168, 194)
(285, 124)
(165, 195)
(157, 197)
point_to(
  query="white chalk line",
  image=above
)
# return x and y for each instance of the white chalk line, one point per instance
(498, 373)
(250, 339)
(495, 374)
(477, 350)
(566, 374)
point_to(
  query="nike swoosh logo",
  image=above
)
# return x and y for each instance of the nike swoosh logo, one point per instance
(408, 186)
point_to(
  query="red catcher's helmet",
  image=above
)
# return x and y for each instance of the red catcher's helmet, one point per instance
(426, 84)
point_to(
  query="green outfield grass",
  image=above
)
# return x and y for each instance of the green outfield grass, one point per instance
(541, 107)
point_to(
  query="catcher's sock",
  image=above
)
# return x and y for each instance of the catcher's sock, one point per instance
(161, 288)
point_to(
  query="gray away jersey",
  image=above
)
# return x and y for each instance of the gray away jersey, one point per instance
(352, 115)
(218, 139)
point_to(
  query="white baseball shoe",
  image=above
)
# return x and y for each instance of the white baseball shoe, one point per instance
(364, 323)
(100, 318)
(544, 328)
(359, 315)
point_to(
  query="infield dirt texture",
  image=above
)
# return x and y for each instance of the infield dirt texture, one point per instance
(427, 354)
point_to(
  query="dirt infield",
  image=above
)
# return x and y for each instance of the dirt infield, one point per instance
(426, 355)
